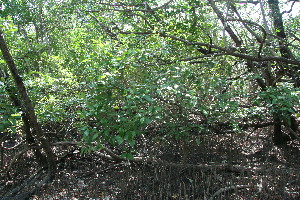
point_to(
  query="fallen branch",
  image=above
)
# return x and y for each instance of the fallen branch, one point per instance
(226, 189)
(222, 167)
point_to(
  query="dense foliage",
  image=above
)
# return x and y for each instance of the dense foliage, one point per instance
(119, 71)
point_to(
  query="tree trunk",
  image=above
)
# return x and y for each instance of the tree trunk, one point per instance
(278, 26)
(292, 72)
(28, 108)
(278, 136)
(26, 127)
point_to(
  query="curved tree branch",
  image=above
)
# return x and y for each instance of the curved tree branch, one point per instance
(257, 37)
(260, 40)
(232, 52)
(291, 9)
(104, 27)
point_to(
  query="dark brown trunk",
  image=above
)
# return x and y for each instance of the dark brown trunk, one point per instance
(278, 26)
(26, 127)
(279, 137)
(28, 108)
(292, 71)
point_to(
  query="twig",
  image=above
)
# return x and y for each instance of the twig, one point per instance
(291, 9)
(104, 27)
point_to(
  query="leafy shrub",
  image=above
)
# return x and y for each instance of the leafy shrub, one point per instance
(121, 106)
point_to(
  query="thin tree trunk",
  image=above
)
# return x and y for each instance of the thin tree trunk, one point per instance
(28, 108)
(27, 131)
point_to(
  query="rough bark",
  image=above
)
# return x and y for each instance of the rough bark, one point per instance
(28, 108)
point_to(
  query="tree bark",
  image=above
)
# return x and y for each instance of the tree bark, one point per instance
(292, 72)
(28, 108)
(26, 124)
(279, 28)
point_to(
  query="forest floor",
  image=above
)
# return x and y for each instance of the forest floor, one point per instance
(228, 166)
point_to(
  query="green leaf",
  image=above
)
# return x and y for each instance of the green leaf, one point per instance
(119, 139)
(148, 98)
(128, 156)
(131, 143)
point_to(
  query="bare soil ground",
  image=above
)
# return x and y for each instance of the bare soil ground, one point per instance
(229, 166)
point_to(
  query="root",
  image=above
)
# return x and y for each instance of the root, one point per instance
(229, 188)
(24, 191)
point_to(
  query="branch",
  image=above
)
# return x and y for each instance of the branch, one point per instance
(15, 158)
(160, 7)
(291, 9)
(238, 1)
(222, 167)
(27, 148)
(292, 132)
(137, 33)
(23, 188)
(228, 29)
(237, 77)
(260, 40)
(296, 38)
(144, 18)
(104, 27)
(191, 59)
(232, 52)
(267, 58)
(147, 7)
(245, 23)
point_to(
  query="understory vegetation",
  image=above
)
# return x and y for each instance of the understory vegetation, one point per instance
(170, 99)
